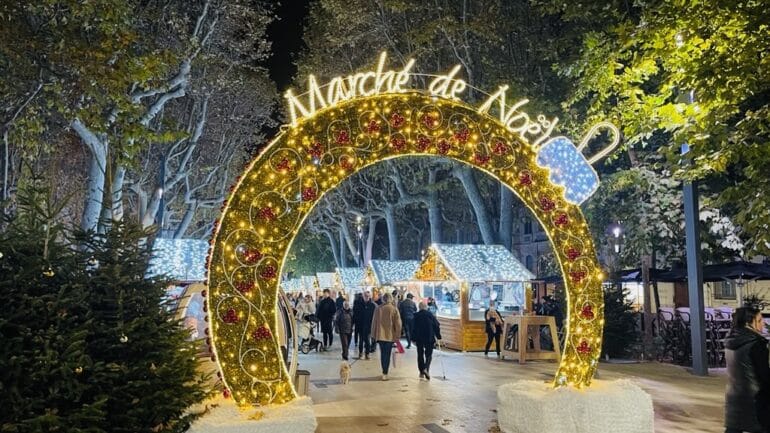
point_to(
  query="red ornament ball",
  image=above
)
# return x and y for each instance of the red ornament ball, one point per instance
(284, 165)
(342, 137)
(266, 213)
(462, 135)
(429, 121)
(230, 317)
(308, 194)
(423, 143)
(346, 162)
(587, 312)
(397, 120)
(251, 256)
(573, 253)
(561, 220)
(226, 393)
(547, 204)
(262, 333)
(577, 276)
(268, 273)
(316, 150)
(525, 178)
(372, 127)
(584, 348)
(398, 143)
(500, 148)
(244, 286)
(481, 159)
(443, 147)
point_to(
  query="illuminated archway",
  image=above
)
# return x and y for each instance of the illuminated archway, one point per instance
(278, 190)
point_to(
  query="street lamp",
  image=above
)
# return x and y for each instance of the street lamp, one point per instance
(360, 248)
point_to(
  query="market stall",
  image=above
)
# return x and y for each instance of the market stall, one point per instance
(464, 279)
(349, 280)
(389, 275)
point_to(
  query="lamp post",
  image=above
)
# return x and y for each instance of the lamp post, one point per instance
(694, 268)
(360, 247)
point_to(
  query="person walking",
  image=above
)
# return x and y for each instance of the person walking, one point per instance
(407, 309)
(343, 322)
(305, 308)
(747, 398)
(362, 318)
(326, 310)
(425, 332)
(339, 301)
(386, 330)
(494, 328)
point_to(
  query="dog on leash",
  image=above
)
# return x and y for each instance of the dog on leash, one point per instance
(344, 372)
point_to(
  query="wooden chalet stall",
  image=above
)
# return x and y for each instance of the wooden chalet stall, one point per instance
(464, 279)
(387, 275)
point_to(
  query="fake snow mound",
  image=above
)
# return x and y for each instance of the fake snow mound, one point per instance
(611, 407)
(294, 417)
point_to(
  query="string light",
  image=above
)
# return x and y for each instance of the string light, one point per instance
(266, 210)
(389, 272)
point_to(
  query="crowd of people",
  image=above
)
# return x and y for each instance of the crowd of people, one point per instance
(371, 324)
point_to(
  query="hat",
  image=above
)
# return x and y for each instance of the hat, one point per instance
(409, 295)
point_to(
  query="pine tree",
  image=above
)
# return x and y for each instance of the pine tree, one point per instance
(619, 324)
(88, 344)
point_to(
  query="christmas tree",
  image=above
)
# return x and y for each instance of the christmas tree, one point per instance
(620, 332)
(88, 344)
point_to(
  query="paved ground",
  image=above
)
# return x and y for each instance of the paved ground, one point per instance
(466, 400)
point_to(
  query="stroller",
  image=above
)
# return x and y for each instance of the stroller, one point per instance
(306, 334)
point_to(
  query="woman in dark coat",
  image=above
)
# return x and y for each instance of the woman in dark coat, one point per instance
(425, 331)
(343, 322)
(494, 328)
(747, 399)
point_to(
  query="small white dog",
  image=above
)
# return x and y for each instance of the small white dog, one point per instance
(344, 372)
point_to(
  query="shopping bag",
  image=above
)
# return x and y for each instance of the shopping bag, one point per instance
(395, 355)
(399, 347)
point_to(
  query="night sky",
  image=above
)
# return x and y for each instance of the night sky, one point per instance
(286, 36)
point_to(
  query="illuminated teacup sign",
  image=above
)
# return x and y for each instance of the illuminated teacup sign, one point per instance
(352, 122)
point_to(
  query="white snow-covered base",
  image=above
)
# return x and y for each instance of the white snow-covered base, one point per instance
(606, 406)
(294, 417)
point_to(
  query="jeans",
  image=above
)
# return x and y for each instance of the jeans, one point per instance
(490, 336)
(424, 356)
(386, 347)
(364, 342)
(408, 324)
(345, 341)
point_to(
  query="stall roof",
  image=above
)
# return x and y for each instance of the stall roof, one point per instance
(481, 263)
(292, 285)
(722, 271)
(350, 278)
(179, 259)
(387, 272)
(325, 279)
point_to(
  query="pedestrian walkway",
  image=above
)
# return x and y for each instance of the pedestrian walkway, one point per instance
(466, 401)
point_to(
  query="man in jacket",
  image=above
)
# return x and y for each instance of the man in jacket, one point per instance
(326, 310)
(363, 311)
(747, 399)
(339, 301)
(344, 324)
(426, 331)
(386, 329)
(407, 310)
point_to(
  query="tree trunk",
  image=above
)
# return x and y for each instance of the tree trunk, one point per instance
(96, 175)
(390, 222)
(189, 213)
(505, 230)
(370, 240)
(434, 209)
(343, 255)
(6, 163)
(335, 248)
(465, 175)
(117, 192)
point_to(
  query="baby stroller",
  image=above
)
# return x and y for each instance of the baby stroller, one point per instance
(306, 334)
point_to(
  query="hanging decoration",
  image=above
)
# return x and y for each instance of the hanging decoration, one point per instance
(351, 123)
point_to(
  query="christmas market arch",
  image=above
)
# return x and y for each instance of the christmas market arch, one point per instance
(354, 122)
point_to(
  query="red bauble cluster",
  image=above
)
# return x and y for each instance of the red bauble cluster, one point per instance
(308, 194)
(262, 333)
(481, 159)
(397, 120)
(577, 276)
(462, 135)
(429, 121)
(573, 253)
(268, 273)
(584, 348)
(525, 179)
(372, 127)
(266, 213)
(244, 286)
(283, 165)
(226, 393)
(346, 162)
(342, 137)
(316, 150)
(500, 148)
(547, 204)
(423, 143)
(398, 143)
(443, 147)
(561, 220)
(251, 256)
(230, 316)
(587, 312)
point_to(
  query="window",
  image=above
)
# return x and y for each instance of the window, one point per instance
(724, 290)
(530, 263)
(527, 226)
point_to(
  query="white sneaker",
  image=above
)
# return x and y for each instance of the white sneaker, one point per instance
(384, 377)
